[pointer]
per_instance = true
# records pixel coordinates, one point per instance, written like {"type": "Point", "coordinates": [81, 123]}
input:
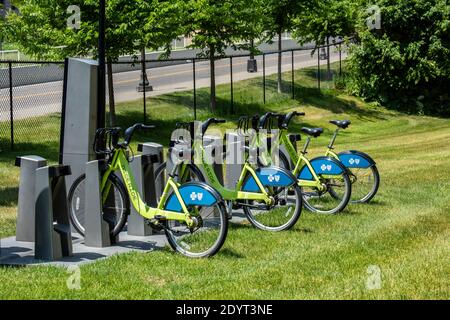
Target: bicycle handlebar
{"type": "Point", "coordinates": [130, 131]}
{"type": "Point", "coordinates": [287, 119]}
{"type": "Point", "coordinates": [209, 122]}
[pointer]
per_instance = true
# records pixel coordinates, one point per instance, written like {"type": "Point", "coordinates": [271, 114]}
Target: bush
{"type": "Point", "coordinates": [406, 64]}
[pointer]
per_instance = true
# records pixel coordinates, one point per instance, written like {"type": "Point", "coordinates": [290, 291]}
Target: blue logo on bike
{"type": "Point", "coordinates": [354, 161]}
{"type": "Point", "coordinates": [192, 195]}
{"type": "Point", "coordinates": [321, 166]}
{"type": "Point", "coordinates": [270, 176]}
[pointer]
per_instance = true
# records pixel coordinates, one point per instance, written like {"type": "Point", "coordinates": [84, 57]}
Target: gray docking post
{"type": "Point", "coordinates": [52, 226]}
{"type": "Point", "coordinates": [143, 167]}
{"type": "Point", "coordinates": [97, 230]}
{"type": "Point", "coordinates": [26, 204]}
{"type": "Point", "coordinates": [212, 146]}
{"type": "Point", "coordinates": [234, 158]}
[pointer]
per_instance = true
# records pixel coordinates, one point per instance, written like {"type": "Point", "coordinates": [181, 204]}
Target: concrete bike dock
{"type": "Point", "coordinates": [45, 237]}
{"type": "Point", "coordinates": [21, 253]}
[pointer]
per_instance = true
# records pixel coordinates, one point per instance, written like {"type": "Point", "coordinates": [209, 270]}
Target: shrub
{"type": "Point", "coordinates": [406, 64]}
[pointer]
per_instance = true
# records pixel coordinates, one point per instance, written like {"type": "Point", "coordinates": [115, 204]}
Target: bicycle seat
{"type": "Point", "coordinates": [315, 132]}
{"type": "Point", "coordinates": [343, 124]}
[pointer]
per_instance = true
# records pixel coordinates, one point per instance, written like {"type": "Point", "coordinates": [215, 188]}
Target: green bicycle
{"type": "Point", "coordinates": [193, 215]}
{"type": "Point", "coordinates": [325, 181]}
{"type": "Point", "coordinates": [361, 168]}
{"type": "Point", "coordinates": [269, 197]}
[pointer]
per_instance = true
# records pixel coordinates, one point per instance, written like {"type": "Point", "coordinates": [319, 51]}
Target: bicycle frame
{"type": "Point", "coordinates": [330, 152]}
{"type": "Point", "coordinates": [120, 162]}
{"type": "Point", "coordinates": [230, 194]}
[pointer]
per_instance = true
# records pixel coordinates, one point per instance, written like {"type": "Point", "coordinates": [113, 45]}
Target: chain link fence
{"type": "Point", "coordinates": [31, 92]}
{"type": "Point", "coordinates": [30, 102]}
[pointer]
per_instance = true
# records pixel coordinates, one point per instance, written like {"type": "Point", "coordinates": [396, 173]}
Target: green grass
{"type": "Point", "coordinates": [404, 231]}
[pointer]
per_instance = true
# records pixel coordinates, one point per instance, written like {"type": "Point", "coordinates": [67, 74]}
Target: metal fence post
{"type": "Point", "coordinates": [293, 77]}
{"type": "Point", "coordinates": [318, 69]}
{"type": "Point", "coordinates": [264, 78]}
{"type": "Point", "coordinates": [195, 93]}
{"type": "Point", "coordinates": [11, 112]}
{"type": "Point", "coordinates": [231, 85]}
{"type": "Point", "coordinates": [145, 98]}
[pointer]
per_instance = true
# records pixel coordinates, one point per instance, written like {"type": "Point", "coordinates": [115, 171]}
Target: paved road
{"type": "Point", "coordinates": [45, 98]}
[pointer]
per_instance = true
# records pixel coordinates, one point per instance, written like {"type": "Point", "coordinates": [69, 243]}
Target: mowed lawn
{"type": "Point", "coordinates": [404, 232]}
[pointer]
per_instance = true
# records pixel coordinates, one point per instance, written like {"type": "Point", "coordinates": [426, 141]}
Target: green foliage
{"type": "Point", "coordinates": [279, 15]}
{"type": "Point", "coordinates": [406, 64]}
{"type": "Point", "coordinates": [41, 29]}
{"type": "Point", "coordinates": [328, 18]}
{"type": "Point", "coordinates": [215, 25]}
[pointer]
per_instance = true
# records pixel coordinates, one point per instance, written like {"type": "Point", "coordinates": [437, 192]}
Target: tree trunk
{"type": "Point", "coordinates": [213, 79]}
{"type": "Point", "coordinates": [252, 46]}
{"type": "Point", "coordinates": [328, 59]}
{"type": "Point", "coordinates": [280, 57]}
{"type": "Point", "coordinates": [112, 104]}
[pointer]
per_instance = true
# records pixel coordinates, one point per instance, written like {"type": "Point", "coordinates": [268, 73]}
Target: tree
{"type": "Point", "coordinates": [215, 25]}
{"type": "Point", "coordinates": [42, 29]}
{"type": "Point", "coordinates": [327, 19]}
{"type": "Point", "coordinates": [405, 64]}
{"type": "Point", "coordinates": [278, 17]}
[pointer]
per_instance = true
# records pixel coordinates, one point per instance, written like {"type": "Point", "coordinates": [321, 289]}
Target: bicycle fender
{"type": "Point", "coordinates": [356, 159]}
{"type": "Point", "coordinates": [322, 165]}
{"type": "Point", "coordinates": [193, 194]}
{"type": "Point", "coordinates": [270, 176]}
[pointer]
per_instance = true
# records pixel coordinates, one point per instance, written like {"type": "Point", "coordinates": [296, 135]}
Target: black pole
{"type": "Point", "coordinates": [63, 112]}
{"type": "Point", "coordinates": [195, 93]}
{"type": "Point", "coordinates": [340, 61]}
{"type": "Point", "coordinates": [231, 85]}
{"type": "Point", "coordinates": [264, 78]}
{"type": "Point", "coordinates": [144, 90]}
{"type": "Point", "coordinates": [101, 67]}
{"type": "Point", "coordinates": [318, 69]}
{"type": "Point", "coordinates": [293, 77]}
{"type": "Point", "coordinates": [11, 115]}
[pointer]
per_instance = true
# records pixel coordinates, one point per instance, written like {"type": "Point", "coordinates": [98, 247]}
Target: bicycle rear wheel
{"type": "Point", "coordinates": [115, 210]}
{"type": "Point", "coordinates": [365, 183]}
{"type": "Point", "coordinates": [205, 239]}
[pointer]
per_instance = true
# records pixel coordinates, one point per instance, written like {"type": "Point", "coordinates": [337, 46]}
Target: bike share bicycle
{"type": "Point", "coordinates": [325, 181]}
{"type": "Point", "coordinates": [269, 197]}
{"type": "Point", "coordinates": [193, 215]}
{"type": "Point", "coordinates": [361, 168]}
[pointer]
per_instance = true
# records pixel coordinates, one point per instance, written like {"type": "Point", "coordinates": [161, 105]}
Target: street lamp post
{"type": "Point", "coordinates": [144, 85]}
{"type": "Point", "coordinates": [252, 65]}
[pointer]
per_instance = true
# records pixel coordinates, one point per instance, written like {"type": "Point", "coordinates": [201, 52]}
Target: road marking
{"type": "Point", "coordinates": [32, 95]}
{"type": "Point", "coordinates": [198, 70]}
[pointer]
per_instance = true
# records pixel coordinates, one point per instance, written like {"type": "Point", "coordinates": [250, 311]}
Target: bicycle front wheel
{"type": "Point", "coordinates": [115, 209]}
{"type": "Point", "coordinates": [206, 238]}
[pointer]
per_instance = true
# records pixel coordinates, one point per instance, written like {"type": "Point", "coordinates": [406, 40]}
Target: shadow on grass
{"type": "Point", "coordinates": [9, 196]}
{"type": "Point", "coordinates": [48, 150]}
{"type": "Point", "coordinates": [228, 253]}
